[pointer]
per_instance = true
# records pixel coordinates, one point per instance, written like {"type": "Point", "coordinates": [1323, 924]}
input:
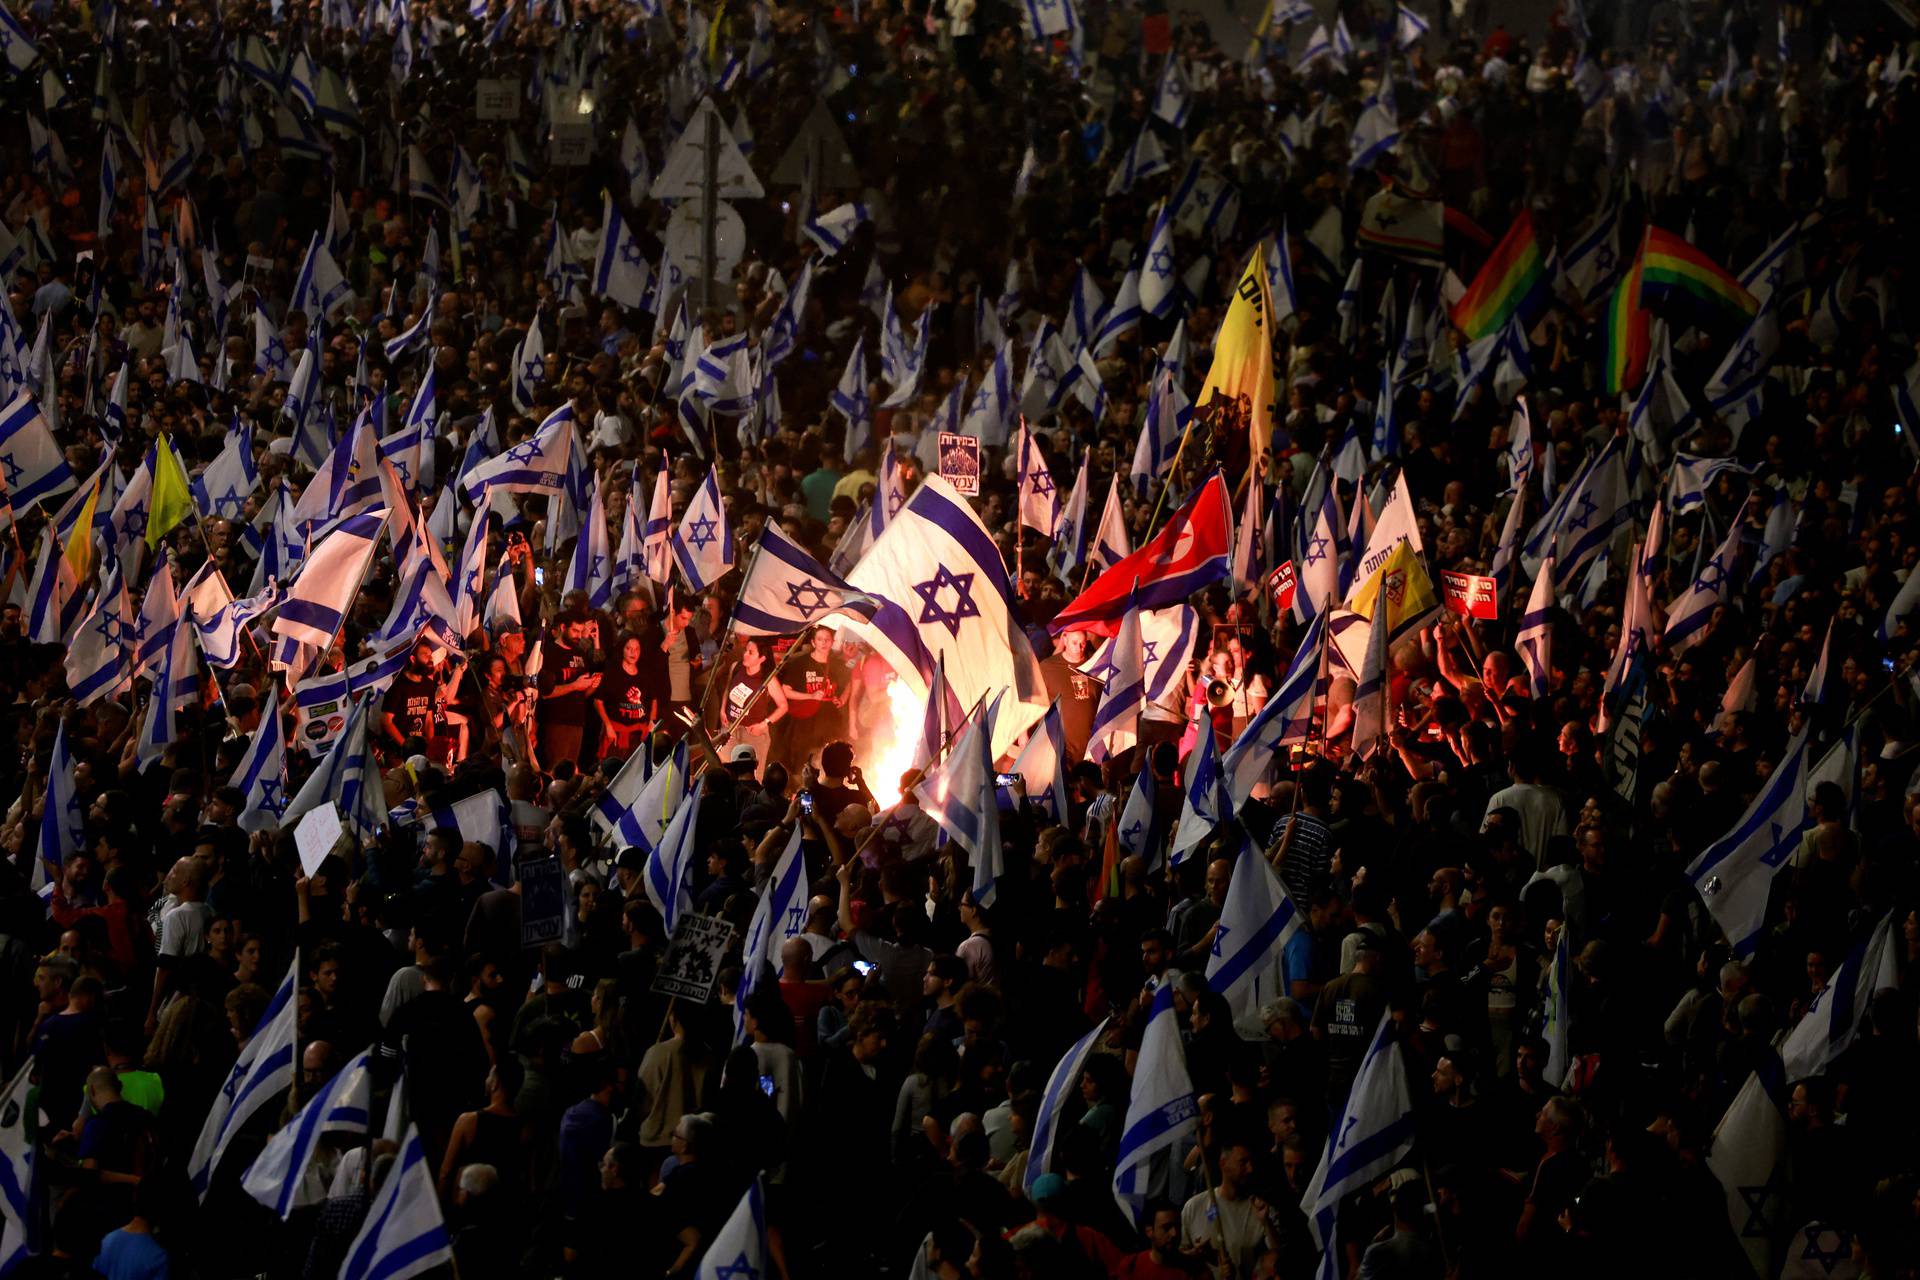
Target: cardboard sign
{"type": "Point", "coordinates": [570, 144]}
{"type": "Point", "coordinates": [1470, 594]}
{"type": "Point", "coordinates": [319, 831]}
{"type": "Point", "coordinates": [960, 463]}
{"type": "Point", "coordinates": [1280, 583]}
{"type": "Point", "coordinates": [693, 957]}
{"type": "Point", "coordinates": [496, 100]}
{"type": "Point", "coordinates": [543, 901]}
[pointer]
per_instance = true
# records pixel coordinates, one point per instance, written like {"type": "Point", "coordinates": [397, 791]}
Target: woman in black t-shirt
{"type": "Point", "coordinates": [749, 697]}
{"type": "Point", "coordinates": [622, 703]}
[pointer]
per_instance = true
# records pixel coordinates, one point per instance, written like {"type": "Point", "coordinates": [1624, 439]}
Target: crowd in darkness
{"type": "Point", "coordinates": [1502, 880]}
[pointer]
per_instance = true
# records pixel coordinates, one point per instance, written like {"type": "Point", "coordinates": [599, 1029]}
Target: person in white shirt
{"type": "Point", "coordinates": [183, 930]}
{"type": "Point", "coordinates": [1542, 813]}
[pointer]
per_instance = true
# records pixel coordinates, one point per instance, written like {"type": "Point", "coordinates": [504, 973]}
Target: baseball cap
{"type": "Point", "coordinates": [1048, 1186]}
{"type": "Point", "coordinates": [630, 859]}
{"type": "Point", "coordinates": [743, 754]}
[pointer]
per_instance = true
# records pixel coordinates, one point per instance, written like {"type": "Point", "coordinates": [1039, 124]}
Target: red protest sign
{"type": "Point", "coordinates": [1280, 583]}
{"type": "Point", "coordinates": [1470, 594]}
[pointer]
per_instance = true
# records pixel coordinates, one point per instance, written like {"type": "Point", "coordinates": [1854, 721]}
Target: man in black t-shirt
{"type": "Point", "coordinates": [567, 679]}
{"type": "Point", "coordinates": [411, 709]}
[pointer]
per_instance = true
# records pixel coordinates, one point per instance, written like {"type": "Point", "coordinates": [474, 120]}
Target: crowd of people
{"type": "Point", "coordinates": [1596, 910]}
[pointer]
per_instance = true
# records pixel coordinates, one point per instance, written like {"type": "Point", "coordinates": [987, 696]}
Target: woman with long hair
{"type": "Point", "coordinates": [753, 703]}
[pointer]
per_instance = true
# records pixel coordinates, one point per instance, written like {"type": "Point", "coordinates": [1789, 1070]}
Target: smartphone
{"type": "Point", "coordinates": [864, 967]}
{"type": "Point", "coordinates": [766, 1085]}
{"type": "Point", "coordinates": [539, 576]}
{"type": "Point", "coordinates": [806, 802]}
{"type": "Point", "coordinates": [1887, 663]}
{"type": "Point", "coordinates": [1005, 779]}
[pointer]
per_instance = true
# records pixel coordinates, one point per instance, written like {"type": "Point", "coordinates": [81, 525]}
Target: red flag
{"type": "Point", "coordinates": [1189, 555]}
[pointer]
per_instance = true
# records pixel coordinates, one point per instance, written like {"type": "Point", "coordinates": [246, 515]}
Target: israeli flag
{"type": "Point", "coordinates": [328, 581]}
{"type": "Point", "coordinates": [1373, 1134]}
{"type": "Point", "coordinates": [17, 1122]}
{"type": "Point", "coordinates": [782, 336]}
{"type": "Point", "coordinates": [739, 1251]}
{"type": "Point", "coordinates": [779, 916]}
{"type": "Point", "coordinates": [1049, 18]}
{"type": "Point", "coordinates": [1144, 159]}
{"type": "Point", "coordinates": [530, 368]}
{"type": "Point", "coordinates": [1409, 28]}
{"type": "Point", "coordinates": [1165, 422]}
{"type": "Point", "coordinates": [1749, 1158]}
{"type": "Point", "coordinates": [785, 589]}
{"type": "Point", "coordinates": [703, 541]}
{"type": "Point", "coordinates": [1111, 545]}
{"type": "Point", "coordinates": [21, 54]}
{"type": "Point", "coordinates": [938, 721]}
{"type": "Point", "coordinates": [535, 465]}
{"type": "Point", "coordinates": [481, 818]}
{"type": "Point", "coordinates": [1086, 308]}
{"type": "Point", "coordinates": [1173, 96]}
{"type": "Point", "coordinates": [63, 827]}
{"type": "Point", "coordinates": [264, 1070]}
{"type": "Point", "coordinates": [1048, 1116]}
{"type": "Point", "coordinates": [1042, 765]}
{"type": "Point", "coordinates": [1122, 317]}
{"type": "Point", "coordinates": [1142, 833]}
{"type": "Point", "coordinates": [348, 777]}
{"type": "Point", "coordinates": [990, 412]}
{"type": "Point", "coordinates": [277, 1178]}
{"type": "Point", "coordinates": [1735, 873]}
{"type": "Point", "coordinates": [222, 489]}
{"type": "Point", "coordinates": [262, 772]}
{"type": "Point", "coordinates": [620, 271]}
{"type": "Point", "coordinates": [1689, 476]}
{"type": "Point", "coordinates": [591, 567]}
{"type": "Point", "coordinates": [269, 350]}
{"type": "Point", "coordinates": [1161, 1109]}
{"type": "Point", "coordinates": [659, 556]}
{"type": "Point", "coordinates": [99, 662]}
{"type": "Point", "coordinates": [1286, 719]}
{"type": "Point", "coordinates": [668, 875]}
{"type": "Point", "coordinates": [1070, 530]}
{"type": "Point", "coordinates": [959, 794]}
{"type": "Point", "coordinates": [1370, 693]}
{"type": "Point", "coordinates": [833, 230]}
{"type": "Point", "coordinates": [1688, 617]}
{"type": "Point", "coordinates": [414, 336]}
{"type": "Point", "coordinates": [1116, 719]}
{"type": "Point", "coordinates": [321, 290]}
{"type": "Point", "coordinates": [35, 466]}
{"type": "Point", "coordinates": [851, 400]}
{"type": "Point", "coordinates": [404, 1234]}
{"type": "Point", "coordinates": [642, 798]}
{"type": "Point", "coordinates": [1833, 1018]}
{"type": "Point", "coordinates": [1256, 922]}
{"type": "Point", "coordinates": [53, 596]}
{"type": "Point", "coordinates": [1595, 509]}
{"type": "Point", "coordinates": [1534, 641]}
{"type": "Point", "coordinates": [1820, 681]}
{"type": "Point", "coordinates": [1037, 496]}
{"type": "Point", "coordinates": [1323, 550]}
{"type": "Point", "coordinates": [1206, 804]}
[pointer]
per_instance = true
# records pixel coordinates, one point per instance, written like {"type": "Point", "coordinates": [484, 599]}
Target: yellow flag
{"type": "Point", "coordinates": [1243, 353]}
{"type": "Point", "coordinates": [1404, 582]}
{"type": "Point", "coordinates": [80, 537]}
{"type": "Point", "coordinates": [171, 500]}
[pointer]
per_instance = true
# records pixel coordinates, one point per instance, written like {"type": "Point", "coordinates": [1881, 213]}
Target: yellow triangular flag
{"type": "Point", "coordinates": [1404, 582]}
{"type": "Point", "coordinates": [80, 538]}
{"type": "Point", "coordinates": [1243, 353]}
{"type": "Point", "coordinates": [171, 499]}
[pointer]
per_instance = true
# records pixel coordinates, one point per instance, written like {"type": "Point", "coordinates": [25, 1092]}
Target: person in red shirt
{"type": "Point", "coordinates": [1160, 1225]}
{"type": "Point", "coordinates": [804, 997]}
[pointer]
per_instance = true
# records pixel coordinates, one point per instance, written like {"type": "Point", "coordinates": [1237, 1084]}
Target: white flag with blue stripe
{"type": "Point", "coordinates": [17, 1123]}
{"type": "Point", "coordinates": [99, 662]}
{"type": "Point", "coordinates": [1286, 719]}
{"type": "Point", "coordinates": [34, 465]}
{"type": "Point", "coordinates": [1374, 1132]}
{"type": "Point", "coordinates": [620, 270]}
{"type": "Point", "coordinates": [535, 465]}
{"type": "Point", "coordinates": [834, 229]}
{"type": "Point", "coordinates": [1832, 1020]}
{"type": "Point", "coordinates": [851, 399]}
{"type": "Point", "coordinates": [1054, 1099]}
{"type": "Point", "coordinates": [785, 590]}
{"type": "Point", "coordinates": [1205, 804]}
{"type": "Point", "coordinates": [990, 411]}
{"type": "Point", "coordinates": [668, 875]}
{"type": "Point", "coordinates": [224, 486]}
{"type": "Point", "coordinates": [591, 567]}
{"type": "Point", "coordinates": [404, 1234]}
{"type": "Point", "coordinates": [329, 579]}
{"type": "Point", "coordinates": [1159, 272]}
{"type": "Point", "coordinates": [958, 793]}
{"type": "Point", "coordinates": [739, 1251]}
{"type": "Point", "coordinates": [1255, 923]}
{"type": "Point", "coordinates": [642, 798]}
{"type": "Point", "coordinates": [779, 916]}
{"type": "Point", "coordinates": [1142, 834]}
{"type": "Point", "coordinates": [1687, 617]}
{"type": "Point", "coordinates": [1534, 640]}
{"type": "Point", "coordinates": [1173, 96]}
{"type": "Point", "coordinates": [348, 777]}
{"type": "Point", "coordinates": [1144, 159]}
{"type": "Point", "coordinates": [261, 775]}
{"type": "Point", "coordinates": [529, 370]}
{"type": "Point", "coordinates": [1122, 317]}
{"type": "Point", "coordinates": [277, 1178]}
{"type": "Point", "coordinates": [703, 541]}
{"type": "Point", "coordinates": [1735, 873]}
{"type": "Point", "coordinates": [1160, 1110]}
{"type": "Point", "coordinates": [481, 818]}
{"type": "Point", "coordinates": [1117, 717]}
{"type": "Point", "coordinates": [265, 1069]}
{"type": "Point", "coordinates": [1042, 765]}
{"type": "Point", "coordinates": [63, 826]}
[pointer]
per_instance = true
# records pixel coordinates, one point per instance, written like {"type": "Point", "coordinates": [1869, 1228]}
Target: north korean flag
{"type": "Point", "coordinates": [1188, 555]}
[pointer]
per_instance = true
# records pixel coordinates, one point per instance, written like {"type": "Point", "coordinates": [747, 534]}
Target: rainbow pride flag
{"type": "Point", "coordinates": [1509, 281]}
{"type": "Point", "coordinates": [1675, 275]}
{"type": "Point", "coordinates": [1628, 331]}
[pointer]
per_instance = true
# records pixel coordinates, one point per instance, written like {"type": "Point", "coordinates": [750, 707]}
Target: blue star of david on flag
{"type": "Point", "coordinates": [807, 607]}
{"type": "Point", "coordinates": [1588, 508]}
{"type": "Point", "coordinates": [524, 452]}
{"type": "Point", "coordinates": [963, 606]}
{"type": "Point", "coordinates": [700, 533]}
{"type": "Point", "coordinates": [1220, 933]}
{"type": "Point", "coordinates": [1161, 263]}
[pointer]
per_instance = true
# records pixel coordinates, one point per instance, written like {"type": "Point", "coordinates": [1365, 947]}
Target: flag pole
{"type": "Point", "coordinates": [1173, 468]}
